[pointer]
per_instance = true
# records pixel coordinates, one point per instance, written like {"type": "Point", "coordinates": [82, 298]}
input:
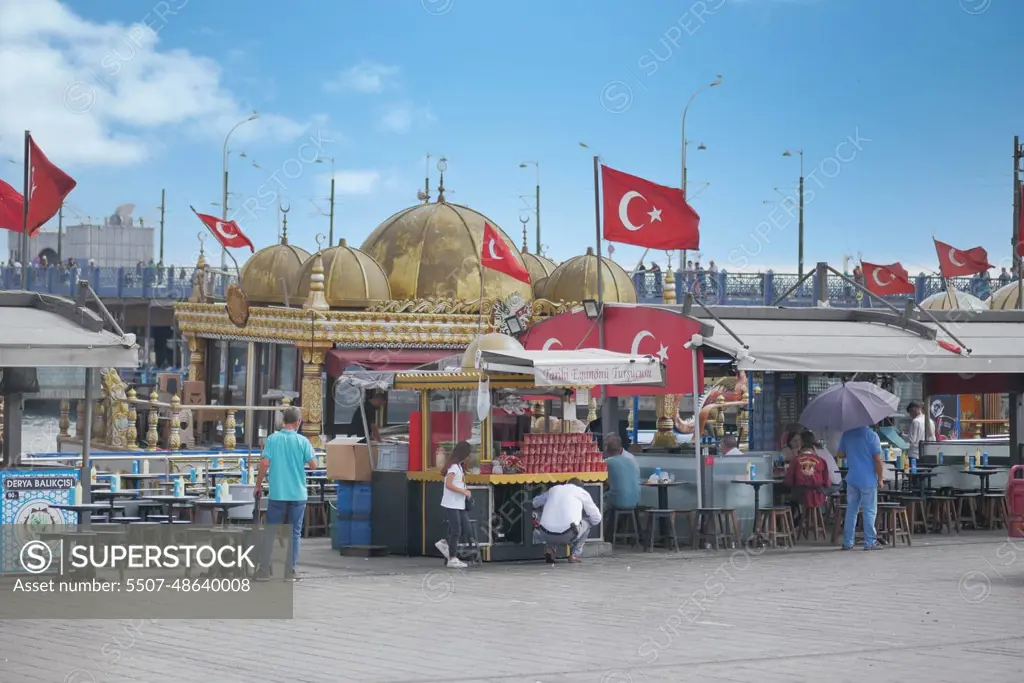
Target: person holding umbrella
{"type": "Point", "coordinates": [853, 408]}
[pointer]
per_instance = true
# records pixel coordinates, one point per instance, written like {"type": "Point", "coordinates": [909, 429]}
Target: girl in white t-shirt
{"type": "Point", "coordinates": [453, 500]}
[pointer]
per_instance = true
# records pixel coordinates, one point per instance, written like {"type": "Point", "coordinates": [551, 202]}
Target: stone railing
{"type": "Point", "coordinates": [169, 283]}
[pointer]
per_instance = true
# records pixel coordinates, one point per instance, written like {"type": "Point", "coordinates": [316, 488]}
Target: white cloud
{"type": "Point", "coordinates": [103, 93]}
{"type": "Point", "coordinates": [401, 118]}
{"type": "Point", "coordinates": [365, 77]}
{"type": "Point", "coordinates": [356, 183]}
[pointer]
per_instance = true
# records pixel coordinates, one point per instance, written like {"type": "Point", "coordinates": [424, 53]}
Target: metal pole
{"type": "Point", "coordinates": [149, 326]}
{"type": "Point", "coordinates": [698, 442]}
{"type": "Point", "coordinates": [24, 214]}
{"type": "Point", "coordinates": [1016, 220]}
{"type": "Point", "coordinates": [330, 237]}
{"type": "Point", "coordinates": [800, 254]}
{"type": "Point", "coordinates": [85, 476]}
{"type": "Point", "coordinates": [163, 206]}
{"type": "Point", "coordinates": [538, 211]}
{"type": "Point", "coordinates": [60, 233]}
{"type": "Point", "coordinates": [224, 208]}
{"type": "Point", "coordinates": [609, 418]}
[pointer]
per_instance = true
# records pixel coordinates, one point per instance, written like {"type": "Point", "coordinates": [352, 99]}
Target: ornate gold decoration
{"type": "Point", "coordinates": [311, 394]}
{"type": "Point", "coordinates": [152, 435]}
{"type": "Point", "coordinates": [719, 425]}
{"type": "Point", "coordinates": [196, 357]}
{"type": "Point", "coordinates": [133, 419]}
{"type": "Point", "coordinates": [665, 408]}
{"type": "Point", "coordinates": [65, 422]}
{"type": "Point", "coordinates": [115, 408]}
{"type": "Point", "coordinates": [668, 290]}
{"type": "Point", "coordinates": [629, 419]}
{"type": "Point", "coordinates": [576, 280]}
{"type": "Point", "coordinates": [743, 417]}
{"type": "Point", "coordinates": [433, 250]}
{"type": "Point", "coordinates": [315, 288]}
{"type": "Point", "coordinates": [237, 306]}
{"type": "Point", "coordinates": [199, 295]}
{"type": "Point", "coordinates": [269, 273]}
{"type": "Point", "coordinates": [229, 430]}
{"type": "Point", "coordinates": [174, 438]}
{"type": "Point", "coordinates": [592, 410]}
{"type": "Point", "coordinates": [351, 278]}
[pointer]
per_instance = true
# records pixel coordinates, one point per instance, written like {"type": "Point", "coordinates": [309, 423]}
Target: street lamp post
{"type": "Point", "coordinates": [686, 110]}
{"type": "Point", "coordinates": [330, 235]}
{"type": "Point", "coordinates": [536, 164]}
{"type": "Point", "coordinates": [800, 223]}
{"type": "Point", "coordinates": [224, 193]}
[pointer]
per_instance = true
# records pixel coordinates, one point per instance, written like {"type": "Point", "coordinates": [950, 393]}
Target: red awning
{"type": "Point", "coordinates": [386, 360]}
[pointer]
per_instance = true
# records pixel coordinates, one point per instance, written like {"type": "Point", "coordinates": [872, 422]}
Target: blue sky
{"type": "Point", "coordinates": [931, 90]}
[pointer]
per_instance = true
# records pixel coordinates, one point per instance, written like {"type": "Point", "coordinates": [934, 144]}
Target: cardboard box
{"type": "Point", "coordinates": [193, 393]}
{"type": "Point", "coordinates": [348, 460]}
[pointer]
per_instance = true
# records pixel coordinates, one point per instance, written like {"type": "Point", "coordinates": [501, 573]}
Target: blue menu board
{"type": "Point", "coordinates": [25, 502]}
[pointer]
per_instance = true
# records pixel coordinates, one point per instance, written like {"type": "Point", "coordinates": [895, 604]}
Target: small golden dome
{"type": "Point", "coordinates": [1004, 298]}
{"type": "Point", "coordinates": [539, 267]}
{"type": "Point", "coordinates": [942, 301]}
{"type": "Point", "coordinates": [495, 341]}
{"type": "Point", "coordinates": [576, 280]}
{"type": "Point", "coordinates": [433, 251]}
{"type": "Point", "coordinates": [270, 271]}
{"type": "Point", "coordinates": [351, 278]}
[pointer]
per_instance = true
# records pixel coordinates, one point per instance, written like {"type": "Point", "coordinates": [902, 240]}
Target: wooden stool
{"type": "Point", "coordinates": [967, 508]}
{"type": "Point", "coordinates": [944, 514]}
{"type": "Point", "coordinates": [995, 510]}
{"type": "Point", "coordinates": [717, 526]}
{"type": "Point", "coordinates": [630, 536]}
{"type": "Point", "coordinates": [315, 519]}
{"type": "Point", "coordinates": [655, 519]}
{"type": "Point", "coordinates": [900, 526]}
{"type": "Point", "coordinates": [917, 511]}
{"type": "Point", "coordinates": [777, 526]}
{"type": "Point", "coordinates": [812, 522]}
{"type": "Point", "coordinates": [839, 523]}
{"type": "Point", "coordinates": [887, 524]}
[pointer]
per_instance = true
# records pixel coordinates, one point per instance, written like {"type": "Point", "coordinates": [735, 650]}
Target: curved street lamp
{"type": "Point", "coordinates": [224, 169]}
{"type": "Point", "coordinates": [800, 228]}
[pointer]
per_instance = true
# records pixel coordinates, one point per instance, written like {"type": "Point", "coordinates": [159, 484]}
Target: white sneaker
{"type": "Point", "coordinates": [442, 545]}
{"type": "Point", "coordinates": [456, 563]}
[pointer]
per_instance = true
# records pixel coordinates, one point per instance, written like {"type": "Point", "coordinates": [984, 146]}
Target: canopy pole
{"type": "Point", "coordinates": [85, 474]}
{"type": "Point", "coordinates": [691, 298]}
{"type": "Point", "coordinates": [697, 440]}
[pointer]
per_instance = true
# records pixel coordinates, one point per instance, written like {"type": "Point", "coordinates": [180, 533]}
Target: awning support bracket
{"type": "Point", "coordinates": [691, 299]}
{"type": "Point", "coordinates": [84, 291]}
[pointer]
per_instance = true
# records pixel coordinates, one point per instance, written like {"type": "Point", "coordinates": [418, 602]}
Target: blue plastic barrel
{"type": "Point", "coordinates": [361, 499]}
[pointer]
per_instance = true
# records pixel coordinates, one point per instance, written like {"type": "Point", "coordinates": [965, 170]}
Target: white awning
{"type": "Point", "coordinates": [582, 367]}
{"type": "Point", "coordinates": [849, 346]}
{"type": "Point", "coordinates": [32, 337]}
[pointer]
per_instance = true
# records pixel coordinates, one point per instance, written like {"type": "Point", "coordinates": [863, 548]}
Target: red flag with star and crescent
{"type": "Point", "coordinates": [496, 255]}
{"type": "Point", "coordinates": [887, 280]}
{"type": "Point", "coordinates": [632, 329]}
{"type": "Point", "coordinates": [955, 262]}
{"type": "Point", "coordinates": [227, 232]}
{"type": "Point", "coordinates": [48, 186]}
{"type": "Point", "coordinates": [637, 211]}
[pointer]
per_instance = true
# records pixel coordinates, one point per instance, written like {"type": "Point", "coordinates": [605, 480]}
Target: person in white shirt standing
{"type": "Point", "coordinates": [568, 514]}
{"type": "Point", "coordinates": [918, 431]}
{"type": "Point", "coordinates": [453, 500]}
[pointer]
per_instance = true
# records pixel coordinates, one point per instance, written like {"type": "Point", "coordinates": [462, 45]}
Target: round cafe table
{"type": "Point", "coordinates": [756, 484]}
{"type": "Point", "coordinates": [84, 508]}
{"type": "Point", "coordinates": [983, 474]}
{"type": "Point", "coordinates": [222, 505]}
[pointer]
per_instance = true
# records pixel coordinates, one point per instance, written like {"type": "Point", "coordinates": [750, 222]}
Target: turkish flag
{"type": "Point", "coordinates": [496, 254]}
{"type": "Point", "coordinates": [954, 262]}
{"type": "Point", "coordinates": [48, 186]}
{"type": "Point", "coordinates": [12, 206]}
{"type": "Point", "coordinates": [227, 232]}
{"type": "Point", "coordinates": [637, 211]}
{"type": "Point", "coordinates": [887, 280]}
{"type": "Point", "coordinates": [632, 329]}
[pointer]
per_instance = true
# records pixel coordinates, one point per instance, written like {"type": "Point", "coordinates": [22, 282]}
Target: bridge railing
{"type": "Point", "coordinates": [121, 283]}
{"type": "Point", "coordinates": [764, 289]}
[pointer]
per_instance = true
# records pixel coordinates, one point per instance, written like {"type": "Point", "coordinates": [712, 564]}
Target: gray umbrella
{"type": "Point", "coordinates": [849, 405]}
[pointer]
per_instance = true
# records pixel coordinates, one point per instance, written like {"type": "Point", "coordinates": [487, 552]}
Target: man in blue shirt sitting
{"type": "Point", "coordinates": [623, 476]}
{"type": "Point", "coordinates": [862, 451]}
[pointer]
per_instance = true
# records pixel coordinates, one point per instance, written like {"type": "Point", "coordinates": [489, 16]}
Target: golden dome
{"type": "Point", "coordinates": [433, 250]}
{"type": "Point", "coordinates": [942, 301]}
{"type": "Point", "coordinates": [351, 278]}
{"type": "Point", "coordinates": [1004, 298]}
{"type": "Point", "coordinates": [576, 280]}
{"type": "Point", "coordinates": [540, 269]}
{"type": "Point", "coordinates": [495, 341]}
{"type": "Point", "coordinates": [269, 271]}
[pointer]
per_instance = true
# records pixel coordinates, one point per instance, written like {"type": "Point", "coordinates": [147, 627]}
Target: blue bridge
{"type": "Point", "coordinates": [165, 284]}
{"type": "Point", "coordinates": [764, 289]}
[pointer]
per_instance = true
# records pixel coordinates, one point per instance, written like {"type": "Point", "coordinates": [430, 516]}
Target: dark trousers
{"type": "Point", "coordinates": [459, 527]}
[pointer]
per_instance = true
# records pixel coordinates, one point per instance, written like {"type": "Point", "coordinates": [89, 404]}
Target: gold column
{"type": "Point", "coordinates": [668, 290]}
{"type": "Point", "coordinates": [665, 407]}
{"type": "Point", "coordinates": [229, 430]}
{"type": "Point", "coordinates": [152, 435]}
{"type": "Point", "coordinates": [743, 419]}
{"type": "Point", "coordinates": [174, 438]}
{"type": "Point", "coordinates": [196, 358]}
{"type": "Point", "coordinates": [65, 422]}
{"type": "Point", "coordinates": [311, 394]}
{"type": "Point", "coordinates": [720, 417]}
{"type": "Point", "coordinates": [133, 419]}
{"type": "Point", "coordinates": [591, 410]}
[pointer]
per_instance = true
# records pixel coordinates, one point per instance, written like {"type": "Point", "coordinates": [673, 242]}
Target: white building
{"type": "Point", "coordinates": [119, 242]}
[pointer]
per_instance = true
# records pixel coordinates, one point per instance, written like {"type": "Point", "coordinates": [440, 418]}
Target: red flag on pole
{"type": "Point", "coordinates": [887, 280]}
{"type": "Point", "coordinates": [496, 255]}
{"type": "Point", "coordinates": [48, 186]}
{"type": "Point", "coordinates": [955, 262]}
{"type": "Point", "coordinates": [227, 232]}
{"type": "Point", "coordinates": [12, 206]}
{"type": "Point", "coordinates": [637, 211]}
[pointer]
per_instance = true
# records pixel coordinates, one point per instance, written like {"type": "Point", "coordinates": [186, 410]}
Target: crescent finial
{"type": "Point", "coordinates": [320, 239]}
{"type": "Point", "coordinates": [202, 241]}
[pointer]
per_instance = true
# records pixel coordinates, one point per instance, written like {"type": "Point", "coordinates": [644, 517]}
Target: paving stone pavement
{"type": "Point", "coordinates": [929, 613]}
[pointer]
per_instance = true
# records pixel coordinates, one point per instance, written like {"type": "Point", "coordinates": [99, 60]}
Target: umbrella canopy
{"type": "Point", "coordinates": [849, 405]}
